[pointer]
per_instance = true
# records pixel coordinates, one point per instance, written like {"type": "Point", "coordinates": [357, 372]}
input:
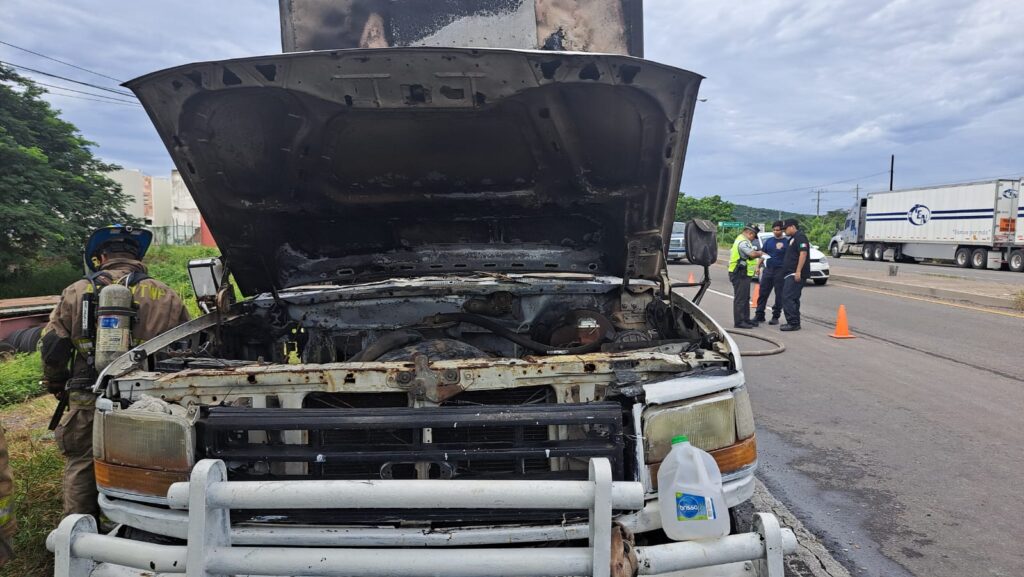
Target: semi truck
{"type": "Point", "coordinates": [975, 225]}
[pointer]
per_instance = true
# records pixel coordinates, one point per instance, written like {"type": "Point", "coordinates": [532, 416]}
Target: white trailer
{"type": "Point", "coordinates": [977, 224]}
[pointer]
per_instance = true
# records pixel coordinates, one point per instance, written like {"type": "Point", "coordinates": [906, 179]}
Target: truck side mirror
{"type": "Point", "coordinates": [206, 275]}
{"type": "Point", "coordinates": [701, 242]}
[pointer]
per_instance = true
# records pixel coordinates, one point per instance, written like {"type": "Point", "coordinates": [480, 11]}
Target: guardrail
{"type": "Point", "coordinates": [209, 498]}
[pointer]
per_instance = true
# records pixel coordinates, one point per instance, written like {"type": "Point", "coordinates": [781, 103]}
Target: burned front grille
{"type": "Point", "coordinates": [467, 438]}
{"type": "Point", "coordinates": [516, 433]}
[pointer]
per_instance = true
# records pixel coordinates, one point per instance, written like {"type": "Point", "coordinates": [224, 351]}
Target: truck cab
{"type": "Point", "coordinates": [459, 351]}
{"type": "Point", "coordinates": [850, 240]}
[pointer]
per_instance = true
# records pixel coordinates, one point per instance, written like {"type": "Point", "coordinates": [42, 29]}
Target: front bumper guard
{"type": "Point", "coordinates": [209, 497]}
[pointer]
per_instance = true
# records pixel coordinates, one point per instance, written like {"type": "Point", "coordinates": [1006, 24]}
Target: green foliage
{"type": "Point", "coordinates": [39, 279]}
{"type": "Point", "coordinates": [743, 213]}
{"type": "Point", "coordinates": [169, 264]}
{"type": "Point", "coordinates": [19, 378]}
{"type": "Point", "coordinates": [820, 229]}
{"type": "Point", "coordinates": [53, 191]}
{"type": "Point", "coordinates": [711, 208]}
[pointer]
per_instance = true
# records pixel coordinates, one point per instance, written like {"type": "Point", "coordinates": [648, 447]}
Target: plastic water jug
{"type": "Point", "coordinates": [690, 494]}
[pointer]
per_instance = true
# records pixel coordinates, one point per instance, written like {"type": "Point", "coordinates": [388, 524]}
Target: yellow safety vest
{"type": "Point", "coordinates": [735, 257]}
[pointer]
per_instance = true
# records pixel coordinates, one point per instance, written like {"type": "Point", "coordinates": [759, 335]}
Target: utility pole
{"type": "Point", "coordinates": [857, 191]}
{"type": "Point", "coordinates": [892, 165]}
{"type": "Point", "coordinates": [817, 210]}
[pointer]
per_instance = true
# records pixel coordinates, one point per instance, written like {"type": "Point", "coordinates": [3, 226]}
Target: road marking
{"type": "Point", "coordinates": [719, 293]}
{"type": "Point", "coordinates": [911, 297]}
{"type": "Point", "coordinates": [936, 301]}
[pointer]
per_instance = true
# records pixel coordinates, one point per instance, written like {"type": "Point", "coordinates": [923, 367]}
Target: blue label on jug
{"type": "Point", "coordinates": [692, 508]}
{"type": "Point", "coordinates": [108, 322]}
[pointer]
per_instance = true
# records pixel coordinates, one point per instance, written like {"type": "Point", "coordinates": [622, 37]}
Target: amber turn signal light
{"type": "Point", "coordinates": [135, 480]}
{"type": "Point", "coordinates": [729, 459]}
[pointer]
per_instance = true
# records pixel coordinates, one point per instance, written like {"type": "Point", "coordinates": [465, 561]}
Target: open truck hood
{"type": "Point", "coordinates": [353, 165]}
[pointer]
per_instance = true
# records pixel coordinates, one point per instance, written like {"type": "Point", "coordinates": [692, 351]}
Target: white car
{"type": "Point", "coordinates": [819, 264]}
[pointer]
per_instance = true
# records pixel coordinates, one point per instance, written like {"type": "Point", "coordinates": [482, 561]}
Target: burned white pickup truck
{"type": "Point", "coordinates": [460, 351]}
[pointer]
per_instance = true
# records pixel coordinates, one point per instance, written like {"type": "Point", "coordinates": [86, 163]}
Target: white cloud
{"type": "Point", "coordinates": [804, 93]}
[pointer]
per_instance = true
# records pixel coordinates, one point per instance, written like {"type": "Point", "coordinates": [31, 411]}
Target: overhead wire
{"type": "Point", "coordinates": [61, 62]}
{"type": "Point", "coordinates": [111, 98]}
{"type": "Point", "coordinates": [809, 187]}
{"type": "Point", "coordinates": [122, 103]}
{"type": "Point", "coordinates": [90, 85]}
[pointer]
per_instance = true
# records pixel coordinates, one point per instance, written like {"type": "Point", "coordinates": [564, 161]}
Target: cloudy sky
{"type": "Point", "coordinates": [800, 95]}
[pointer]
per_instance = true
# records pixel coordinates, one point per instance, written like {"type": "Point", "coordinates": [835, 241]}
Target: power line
{"type": "Point", "coordinates": [121, 102]}
{"type": "Point", "coordinates": [87, 93]}
{"type": "Point", "coordinates": [61, 61]}
{"type": "Point", "coordinates": [809, 188]}
{"type": "Point", "coordinates": [129, 94]}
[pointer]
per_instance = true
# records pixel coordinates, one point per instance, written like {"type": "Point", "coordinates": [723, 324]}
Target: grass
{"type": "Point", "coordinates": [37, 466]}
{"type": "Point", "coordinates": [1018, 301]}
{"type": "Point", "coordinates": [19, 379]}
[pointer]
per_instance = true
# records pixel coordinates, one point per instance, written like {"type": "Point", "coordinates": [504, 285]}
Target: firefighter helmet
{"type": "Point", "coordinates": [130, 239]}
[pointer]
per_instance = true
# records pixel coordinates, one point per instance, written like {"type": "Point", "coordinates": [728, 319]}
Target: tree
{"type": "Point", "coordinates": [820, 229]}
{"type": "Point", "coordinates": [53, 191]}
{"type": "Point", "coordinates": [711, 208]}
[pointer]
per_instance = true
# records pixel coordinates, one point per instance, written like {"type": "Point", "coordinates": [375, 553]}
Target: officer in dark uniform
{"type": "Point", "coordinates": [797, 269]}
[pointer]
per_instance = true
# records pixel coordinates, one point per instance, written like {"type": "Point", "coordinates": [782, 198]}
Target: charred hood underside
{"type": "Point", "coordinates": [353, 165]}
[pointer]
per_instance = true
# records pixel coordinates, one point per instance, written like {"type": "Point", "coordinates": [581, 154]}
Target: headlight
{"type": "Point", "coordinates": [824, 260]}
{"type": "Point", "coordinates": [709, 422]}
{"type": "Point", "coordinates": [140, 454]}
{"type": "Point", "coordinates": [744, 414]}
{"type": "Point", "coordinates": [721, 424]}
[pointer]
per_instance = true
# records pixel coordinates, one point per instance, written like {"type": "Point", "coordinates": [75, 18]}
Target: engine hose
{"type": "Point", "coordinates": [779, 346]}
{"type": "Point", "coordinates": [516, 338]}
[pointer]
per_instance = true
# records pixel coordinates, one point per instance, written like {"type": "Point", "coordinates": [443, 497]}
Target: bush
{"type": "Point", "coordinates": [38, 280]}
{"type": "Point", "coordinates": [19, 378]}
{"type": "Point", "coordinates": [169, 265]}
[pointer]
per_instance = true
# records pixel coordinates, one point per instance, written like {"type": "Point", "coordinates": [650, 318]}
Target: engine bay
{"type": "Point", "coordinates": [487, 317]}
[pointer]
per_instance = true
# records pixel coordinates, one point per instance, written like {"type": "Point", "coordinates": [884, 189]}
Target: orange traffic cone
{"type": "Point", "coordinates": [842, 328]}
{"type": "Point", "coordinates": [757, 295]}
{"type": "Point", "coordinates": [690, 279]}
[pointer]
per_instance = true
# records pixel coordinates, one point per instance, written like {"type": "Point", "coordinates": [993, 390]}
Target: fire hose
{"type": "Point", "coordinates": [779, 346]}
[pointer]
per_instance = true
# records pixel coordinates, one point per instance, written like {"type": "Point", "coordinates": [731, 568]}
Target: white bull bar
{"type": "Point", "coordinates": [209, 497]}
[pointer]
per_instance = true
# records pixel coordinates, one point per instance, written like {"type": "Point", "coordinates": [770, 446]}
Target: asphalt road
{"type": "Point", "coordinates": [900, 449]}
{"type": "Point", "coordinates": [853, 263]}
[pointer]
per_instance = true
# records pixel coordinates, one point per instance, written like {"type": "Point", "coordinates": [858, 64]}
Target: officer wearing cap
{"type": "Point", "coordinates": [112, 255]}
{"type": "Point", "coordinates": [743, 260]}
{"type": "Point", "coordinates": [796, 266]}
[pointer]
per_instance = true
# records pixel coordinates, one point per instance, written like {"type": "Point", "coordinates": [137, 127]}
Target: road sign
{"type": "Point", "coordinates": [729, 223]}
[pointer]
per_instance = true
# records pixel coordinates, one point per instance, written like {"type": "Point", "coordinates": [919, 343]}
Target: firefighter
{"type": "Point", "coordinates": [113, 255]}
{"type": "Point", "coordinates": [8, 524]}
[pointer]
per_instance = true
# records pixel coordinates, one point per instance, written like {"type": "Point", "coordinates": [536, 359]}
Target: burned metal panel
{"type": "Point", "coordinates": [588, 26]}
{"type": "Point", "coordinates": [607, 26]}
{"type": "Point", "coordinates": [597, 370]}
{"type": "Point", "coordinates": [412, 161]}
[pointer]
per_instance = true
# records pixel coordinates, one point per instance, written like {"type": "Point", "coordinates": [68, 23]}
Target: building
{"type": "Point", "coordinates": [138, 188]}
{"type": "Point", "coordinates": [185, 211]}
{"type": "Point", "coordinates": [163, 206]}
